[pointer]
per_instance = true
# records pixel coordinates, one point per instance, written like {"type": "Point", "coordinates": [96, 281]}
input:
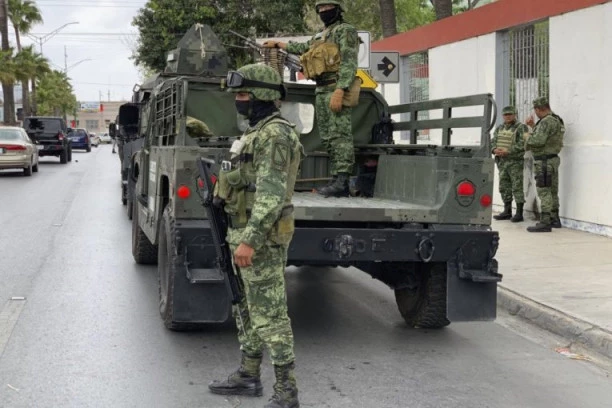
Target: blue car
{"type": "Point", "coordinates": [80, 139]}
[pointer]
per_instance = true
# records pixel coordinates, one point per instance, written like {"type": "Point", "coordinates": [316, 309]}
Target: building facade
{"type": "Point", "coordinates": [95, 116]}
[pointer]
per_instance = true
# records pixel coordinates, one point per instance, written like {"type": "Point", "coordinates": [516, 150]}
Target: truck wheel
{"type": "Point", "coordinates": [166, 267]}
{"type": "Point", "coordinates": [425, 305]}
{"type": "Point", "coordinates": [144, 252]}
{"type": "Point", "coordinates": [70, 153]}
{"type": "Point", "coordinates": [64, 156]}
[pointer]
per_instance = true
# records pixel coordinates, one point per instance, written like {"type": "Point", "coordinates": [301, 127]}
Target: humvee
{"type": "Point", "coordinates": [418, 219]}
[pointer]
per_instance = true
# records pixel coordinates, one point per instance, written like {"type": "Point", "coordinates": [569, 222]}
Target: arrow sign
{"type": "Point", "coordinates": [386, 66]}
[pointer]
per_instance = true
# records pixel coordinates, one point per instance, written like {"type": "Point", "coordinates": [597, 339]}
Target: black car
{"type": "Point", "coordinates": [50, 134]}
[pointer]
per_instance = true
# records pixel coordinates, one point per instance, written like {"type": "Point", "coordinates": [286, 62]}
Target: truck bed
{"type": "Point", "coordinates": [312, 206]}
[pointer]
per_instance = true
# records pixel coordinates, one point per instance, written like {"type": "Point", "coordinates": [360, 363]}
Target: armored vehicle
{"type": "Point", "coordinates": [418, 219]}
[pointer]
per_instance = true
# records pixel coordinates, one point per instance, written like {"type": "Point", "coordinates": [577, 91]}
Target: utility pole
{"type": "Point", "coordinates": [7, 87]}
{"type": "Point", "coordinates": [65, 61]}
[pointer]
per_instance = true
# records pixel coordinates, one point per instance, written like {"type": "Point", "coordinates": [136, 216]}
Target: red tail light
{"type": "Point", "coordinates": [13, 147]}
{"type": "Point", "coordinates": [200, 183]}
{"type": "Point", "coordinates": [486, 200]}
{"type": "Point", "coordinates": [60, 136]}
{"type": "Point", "coordinates": [466, 188]}
{"type": "Point", "coordinates": [183, 192]}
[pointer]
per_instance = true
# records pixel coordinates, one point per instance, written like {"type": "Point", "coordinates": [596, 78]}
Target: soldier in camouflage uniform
{"type": "Point", "coordinates": [508, 147]}
{"type": "Point", "coordinates": [546, 142]}
{"type": "Point", "coordinates": [336, 86]}
{"type": "Point", "coordinates": [257, 194]}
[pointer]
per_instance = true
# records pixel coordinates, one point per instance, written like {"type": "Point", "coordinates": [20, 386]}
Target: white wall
{"type": "Point", "coordinates": [459, 69]}
{"type": "Point", "coordinates": [580, 88]}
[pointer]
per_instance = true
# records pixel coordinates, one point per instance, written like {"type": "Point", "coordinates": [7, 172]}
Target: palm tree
{"type": "Point", "coordinates": [7, 78]}
{"type": "Point", "coordinates": [25, 68]}
{"type": "Point", "coordinates": [42, 68]}
{"type": "Point", "coordinates": [24, 14]}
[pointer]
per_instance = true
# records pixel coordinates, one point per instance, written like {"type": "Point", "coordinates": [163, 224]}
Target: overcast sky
{"type": "Point", "coordinates": [104, 35]}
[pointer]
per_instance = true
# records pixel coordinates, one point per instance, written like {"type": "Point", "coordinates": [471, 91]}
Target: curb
{"type": "Point", "coordinates": [575, 330]}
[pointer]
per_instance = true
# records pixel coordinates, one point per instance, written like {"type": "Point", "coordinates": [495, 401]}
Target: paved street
{"type": "Point", "coordinates": [89, 334]}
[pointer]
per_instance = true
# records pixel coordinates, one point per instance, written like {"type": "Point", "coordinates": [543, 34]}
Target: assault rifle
{"type": "Point", "coordinates": [218, 226]}
{"type": "Point", "coordinates": [292, 61]}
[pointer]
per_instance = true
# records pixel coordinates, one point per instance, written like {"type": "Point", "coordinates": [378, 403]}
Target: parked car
{"type": "Point", "coordinates": [50, 135]}
{"type": "Point", "coordinates": [80, 139]}
{"type": "Point", "coordinates": [105, 138]}
{"type": "Point", "coordinates": [95, 139]}
{"type": "Point", "coordinates": [17, 151]}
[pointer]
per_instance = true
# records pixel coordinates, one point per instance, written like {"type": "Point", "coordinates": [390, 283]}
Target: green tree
{"type": "Point", "coordinates": [25, 69]}
{"type": "Point", "coordinates": [161, 24]}
{"type": "Point", "coordinates": [23, 15]}
{"type": "Point", "coordinates": [55, 95]}
{"type": "Point", "coordinates": [42, 69]}
{"type": "Point", "coordinates": [7, 67]}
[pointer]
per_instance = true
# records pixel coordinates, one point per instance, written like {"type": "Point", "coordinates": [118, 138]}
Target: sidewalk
{"type": "Point", "coordinates": [560, 281]}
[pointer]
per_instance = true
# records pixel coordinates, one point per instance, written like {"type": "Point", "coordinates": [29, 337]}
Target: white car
{"type": "Point", "coordinates": [95, 139]}
{"type": "Point", "coordinates": [105, 138]}
{"type": "Point", "coordinates": [17, 150]}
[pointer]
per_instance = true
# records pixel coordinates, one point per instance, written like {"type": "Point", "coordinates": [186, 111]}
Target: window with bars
{"type": "Point", "coordinates": [417, 88]}
{"type": "Point", "coordinates": [526, 54]}
{"type": "Point", "coordinates": [167, 112]}
{"type": "Point", "coordinates": [91, 124]}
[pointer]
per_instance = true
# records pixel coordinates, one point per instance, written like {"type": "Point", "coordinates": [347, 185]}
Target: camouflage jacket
{"type": "Point", "coordinates": [276, 155]}
{"type": "Point", "coordinates": [547, 137]}
{"type": "Point", "coordinates": [517, 149]}
{"type": "Point", "coordinates": [346, 38]}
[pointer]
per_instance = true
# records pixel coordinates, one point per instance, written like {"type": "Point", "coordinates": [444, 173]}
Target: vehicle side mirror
{"type": "Point", "coordinates": [112, 130]}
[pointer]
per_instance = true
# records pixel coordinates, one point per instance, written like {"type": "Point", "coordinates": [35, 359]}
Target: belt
{"type": "Point", "coordinates": [325, 82]}
{"type": "Point", "coordinates": [545, 156]}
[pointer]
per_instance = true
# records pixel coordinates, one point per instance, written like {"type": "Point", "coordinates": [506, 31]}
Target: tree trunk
{"type": "Point", "coordinates": [387, 17]}
{"type": "Point", "coordinates": [7, 88]}
{"type": "Point", "coordinates": [443, 8]}
{"type": "Point", "coordinates": [25, 98]}
{"type": "Point", "coordinates": [34, 107]}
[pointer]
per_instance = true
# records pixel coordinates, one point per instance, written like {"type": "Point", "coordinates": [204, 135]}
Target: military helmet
{"type": "Point", "coordinates": [540, 102]}
{"type": "Point", "coordinates": [338, 3]}
{"type": "Point", "coordinates": [262, 81]}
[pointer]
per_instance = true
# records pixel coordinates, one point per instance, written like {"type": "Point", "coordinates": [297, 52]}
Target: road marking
{"type": "Point", "coordinates": [8, 318]}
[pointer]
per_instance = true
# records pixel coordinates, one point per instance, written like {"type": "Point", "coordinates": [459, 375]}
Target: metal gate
{"type": "Point", "coordinates": [415, 87]}
{"type": "Point", "coordinates": [526, 55]}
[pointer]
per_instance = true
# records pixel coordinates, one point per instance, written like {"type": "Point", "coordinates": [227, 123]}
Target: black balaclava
{"type": "Point", "coordinates": [330, 16]}
{"type": "Point", "coordinates": [255, 110]}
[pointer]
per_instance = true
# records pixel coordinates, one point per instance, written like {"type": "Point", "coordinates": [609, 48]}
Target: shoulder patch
{"type": "Point", "coordinates": [280, 154]}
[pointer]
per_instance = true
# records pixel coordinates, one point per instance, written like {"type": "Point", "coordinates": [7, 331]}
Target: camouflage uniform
{"type": "Point", "coordinates": [510, 138]}
{"type": "Point", "coordinates": [335, 128]}
{"type": "Point", "coordinates": [546, 141]}
{"type": "Point", "coordinates": [261, 216]}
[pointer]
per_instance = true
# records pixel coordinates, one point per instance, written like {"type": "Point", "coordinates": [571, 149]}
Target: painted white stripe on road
{"type": "Point", "coordinates": [8, 318]}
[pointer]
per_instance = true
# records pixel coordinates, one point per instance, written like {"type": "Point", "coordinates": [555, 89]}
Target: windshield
{"type": "Point", "coordinates": [10, 134]}
{"type": "Point", "coordinates": [42, 125]}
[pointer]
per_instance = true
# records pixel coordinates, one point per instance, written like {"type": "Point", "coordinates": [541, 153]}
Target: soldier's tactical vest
{"type": "Point", "coordinates": [504, 138]}
{"type": "Point", "coordinates": [554, 143]}
{"type": "Point", "coordinates": [322, 57]}
{"type": "Point", "coordinates": [237, 187]}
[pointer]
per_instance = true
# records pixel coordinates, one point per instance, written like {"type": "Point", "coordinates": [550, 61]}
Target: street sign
{"type": "Point", "coordinates": [385, 66]}
{"type": "Point", "coordinates": [363, 57]}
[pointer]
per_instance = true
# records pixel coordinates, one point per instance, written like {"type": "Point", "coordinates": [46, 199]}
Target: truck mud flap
{"type": "Point", "coordinates": [471, 287]}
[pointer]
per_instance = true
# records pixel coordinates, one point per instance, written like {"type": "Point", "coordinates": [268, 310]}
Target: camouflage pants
{"type": "Point", "coordinates": [547, 183]}
{"type": "Point", "coordinates": [336, 134]}
{"type": "Point", "coordinates": [511, 180]}
{"type": "Point", "coordinates": [264, 307]}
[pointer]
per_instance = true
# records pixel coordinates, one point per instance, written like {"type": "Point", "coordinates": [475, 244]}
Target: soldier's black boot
{"type": "Point", "coordinates": [506, 214]}
{"type": "Point", "coordinates": [555, 221]}
{"type": "Point", "coordinates": [518, 215]}
{"type": "Point", "coordinates": [543, 225]}
{"type": "Point", "coordinates": [339, 188]}
{"type": "Point", "coordinates": [285, 389]}
{"type": "Point", "coordinates": [331, 181]}
{"type": "Point", "coordinates": [244, 381]}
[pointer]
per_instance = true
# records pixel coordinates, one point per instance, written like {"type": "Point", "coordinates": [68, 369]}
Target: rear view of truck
{"type": "Point", "coordinates": [419, 218]}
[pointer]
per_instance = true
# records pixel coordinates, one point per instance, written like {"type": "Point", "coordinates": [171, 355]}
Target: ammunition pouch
{"type": "Point", "coordinates": [283, 229]}
{"type": "Point", "coordinates": [351, 97]}
{"type": "Point", "coordinates": [322, 57]}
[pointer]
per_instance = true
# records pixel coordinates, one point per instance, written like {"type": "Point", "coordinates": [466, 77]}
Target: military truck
{"type": "Point", "coordinates": [419, 218]}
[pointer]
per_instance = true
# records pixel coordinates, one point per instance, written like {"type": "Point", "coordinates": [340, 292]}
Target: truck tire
{"type": "Point", "coordinates": [70, 153]}
{"type": "Point", "coordinates": [425, 305]}
{"type": "Point", "coordinates": [64, 156]}
{"type": "Point", "coordinates": [144, 252]}
{"type": "Point", "coordinates": [167, 271]}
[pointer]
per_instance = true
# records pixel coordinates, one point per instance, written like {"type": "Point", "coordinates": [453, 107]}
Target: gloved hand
{"type": "Point", "coordinates": [274, 44]}
{"type": "Point", "coordinates": [335, 102]}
